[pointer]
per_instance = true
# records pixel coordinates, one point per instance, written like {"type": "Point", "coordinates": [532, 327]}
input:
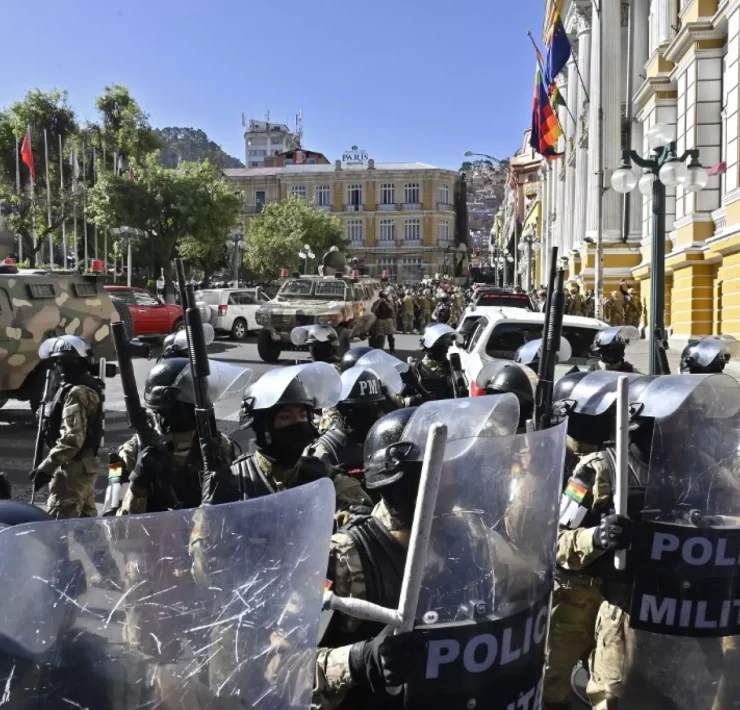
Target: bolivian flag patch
{"type": "Point", "coordinates": [115, 470]}
{"type": "Point", "coordinates": [576, 490]}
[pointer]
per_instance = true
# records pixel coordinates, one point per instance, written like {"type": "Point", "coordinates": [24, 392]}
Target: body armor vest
{"type": "Point", "coordinates": [436, 383]}
{"type": "Point", "coordinates": [94, 432]}
{"type": "Point", "coordinates": [345, 451]}
{"type": "Point", "coordinates": [253, 483]}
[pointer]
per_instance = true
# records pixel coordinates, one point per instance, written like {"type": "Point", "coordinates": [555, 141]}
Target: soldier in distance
{"type": "Point", "coordinates": [322, 341]}
{"type": "Point", "coordinates": [609, 346]}
{"type": "Point", "coordinates": [432, 373]}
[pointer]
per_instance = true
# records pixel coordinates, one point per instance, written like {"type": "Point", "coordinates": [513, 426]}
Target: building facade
{"type": "Point", "coordinates": [398, 217]}
{"type": "Point", "coordinates": [680, 67]}
{"type": "Point", "coordinates": [263, 139]}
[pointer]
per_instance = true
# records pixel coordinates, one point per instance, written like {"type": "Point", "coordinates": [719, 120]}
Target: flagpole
{"type": "Point", "coordinates": [95, 226]}
{"type": "Point", "coordinates": [61, 199]}
{"type": "Point", "coordinates": [544, 76]}
{"type": "Point", "coordinates": [105, 234]}
{"type": "Point", "coordinates": [18, 189]}
{"type": "Point", "coordinates": [48, 198]}
{"type": "Point", "coordinates": [34, 239]}
{"type": "Point", "coordinates": [75, 168]}
{"type": "Point", "coordinates": [84, 199]}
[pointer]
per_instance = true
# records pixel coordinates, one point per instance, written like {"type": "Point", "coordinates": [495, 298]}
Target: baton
{"type": "Point", "coordinates": [620, 492]}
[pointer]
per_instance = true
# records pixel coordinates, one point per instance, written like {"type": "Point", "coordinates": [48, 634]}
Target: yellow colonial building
{"type": "Point", "coordinates": [398, 217]}
{"type": "Point", "coordinates": [683, 70]}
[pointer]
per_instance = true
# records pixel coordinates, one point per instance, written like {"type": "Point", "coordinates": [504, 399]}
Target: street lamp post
{"type": "Point", "coordinates": [235, 241]}
{"type": "Point", "coordinates": [306, 254]}
{"type": "Point", "coordinates": [663, 168]}
{"type": "Point", "coordinates": [127, 234]}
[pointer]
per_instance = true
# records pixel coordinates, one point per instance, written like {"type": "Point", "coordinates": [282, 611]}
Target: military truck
{"type": "Point", "coordinates": [333, 298]}
{"type": "Point", "coordinates": [36, 304]}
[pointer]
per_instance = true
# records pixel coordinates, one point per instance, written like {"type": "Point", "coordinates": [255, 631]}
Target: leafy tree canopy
{"type": "Point", "coordinates": [193, 145]}
{"type": "Point", "coordinates": [279, 232]}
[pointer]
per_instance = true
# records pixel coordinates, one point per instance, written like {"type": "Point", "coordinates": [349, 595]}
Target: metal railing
{"type": "Point", "coordinates": [354, 208]}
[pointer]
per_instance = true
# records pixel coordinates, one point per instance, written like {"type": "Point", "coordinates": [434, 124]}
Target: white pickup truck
{"type": "Point", "coordinates": [494, 333]}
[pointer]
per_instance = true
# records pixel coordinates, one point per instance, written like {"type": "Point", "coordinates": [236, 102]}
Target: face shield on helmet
{"type": "Point", "coordinates": [530, 353]}
{"type": "Point", "coordinates": [375, 356]}
{"type": "Point", "coordinates": [710, 355]}
{"type": "Point", "coordinates": [438, 338]}
{"type": "Point", "coordinates": [65, 347]}
{"type": "Point", "coordinates": [502, 376]}
{"type": "Point", "coordinates": [176, 344]}
{"type": "Point", "coordinates": [350, 358]}
{"type": "Point", "coordinates": [609, 344]}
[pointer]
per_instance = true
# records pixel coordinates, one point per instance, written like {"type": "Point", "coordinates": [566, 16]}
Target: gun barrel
{"type": "Point", "coordinates": [38, 452]}
{"type": "Point", "coordinates": [137, 418]}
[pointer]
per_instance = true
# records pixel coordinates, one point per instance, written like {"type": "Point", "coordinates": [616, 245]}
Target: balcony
{"type": "Point", "coordinates": [387, 207]}
{"type": "Point", "coordinates": [411, 243]}
{"type": "Point", "coordinates": [324, 208]}
{"type": "Point", "coordinates": [253, 209]}
{"type": "Point", "coordinates": [411, 207]}
{"type": "Point", "coordinates": [445, 207]}
{"type": "Point", "coordinates": [354, 208]}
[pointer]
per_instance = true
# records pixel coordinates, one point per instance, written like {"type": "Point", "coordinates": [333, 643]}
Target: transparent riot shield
{"type": "Point", "coordinates": [376, 356]}
{"type": "Point", "coordinates": [682, 632]}
{"type": "Point", "coordinates": [215, 607]}
{"type": "Point", "coordinates": [485, 595]}
{"type": "Point", "coordinates": [224, 379]}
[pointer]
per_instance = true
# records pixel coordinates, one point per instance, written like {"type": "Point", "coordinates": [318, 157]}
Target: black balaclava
{"type": "Point", "coordinates": [612, 354]}
{"type": "Point", "coordinates": [359, 418]}
{"type": "Point", "coordinates": [71, 370]}
{"type": "Point", "coordinates": [400, 497]}
{"type": "Point", "coordinates": [177, 419]}
{"type": "Point", "coordinates": [285, 445]}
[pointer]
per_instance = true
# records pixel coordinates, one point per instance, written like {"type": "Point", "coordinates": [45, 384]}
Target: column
{"type": "Point", "coordinates": [639, 17]}
{"type": "Point", "coordinates": [570, 165]}
{"type": "Point", "coordinates": [665, 21]}
{"type": "Point", "coordinates": [544, 241]}
{"type": "Point", "coordinates": [606, 47]}
{"type": "Point", "coordinates": [732, 115]}
{"type": "Point", "coordinates": [582, 137]}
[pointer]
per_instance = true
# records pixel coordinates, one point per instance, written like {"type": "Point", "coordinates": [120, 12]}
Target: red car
{"type": "Point", "coordinates": [150, 315]}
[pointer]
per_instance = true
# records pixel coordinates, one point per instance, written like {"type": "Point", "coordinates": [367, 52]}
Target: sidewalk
{"type": "Point", "coordinates": [637, 354]}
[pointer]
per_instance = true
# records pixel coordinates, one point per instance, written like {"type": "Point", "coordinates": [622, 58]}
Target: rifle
{"type": "Point", "coordinates": [551, 335]}
{"type": "Point", "coordinates": [459, 383]}
{"type": "Point", "coordinates": [205, 416]}
{"type": "Point", "coordinates": [38, 452]}
{"type": "Point", "coordinates": [138, 420]}
{"type": "Point", "coordinates": [661, 346]}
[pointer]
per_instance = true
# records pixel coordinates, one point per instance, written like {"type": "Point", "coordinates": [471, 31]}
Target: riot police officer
{"type": "Point", "coordinates": [167, 474]}
{"type": "Point", "coordinates": [74, 430]}
{"type": "Point", "coordinates": [350, 358]}
{"type": "Point", "coordinates": [609, 346]}
{"type": "Point", "coordinates": [432, 373]}
{"type": "Point", "coordinates": [530, 353]}
{"type": "Point", "coordinates": [176, 344]}
{"type": "Point", "coordinates": [499, 377]}
{"type": "Point", "coordinates": [709, 355]}
{"type": "Point", "coordinates": [362, 402]}
{"type": "Point", "coordinates": [322, 341]}
{"type": "Point", "coordinates": [279, 408]}
{"type": "Point", "coordinates": [366, 561]}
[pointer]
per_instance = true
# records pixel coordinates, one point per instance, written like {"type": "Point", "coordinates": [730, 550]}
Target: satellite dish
{"type": "Point", "coordinates": [333, 261]}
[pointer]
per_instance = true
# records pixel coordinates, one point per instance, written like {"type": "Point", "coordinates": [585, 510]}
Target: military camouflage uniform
{"type": "Point", "coordinates": [576, 302]}
{"type": "Point", "coordinates": [73, 468]}
{"type": "Point", "coordinates": [614, 309]}
{"type": "Point", "coordinates": [425, 315]}
{"type": "Point", "coordinates": [407, 313]}
{"type": "Point", "coordinates": [333, 679]}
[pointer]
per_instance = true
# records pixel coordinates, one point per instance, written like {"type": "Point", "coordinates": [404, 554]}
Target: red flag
{"type": "Point", "coordinates": [27, 154]}
{"type": "Point", "coordinates": [718, 169]}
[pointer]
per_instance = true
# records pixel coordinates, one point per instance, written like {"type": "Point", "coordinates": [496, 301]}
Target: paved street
{"type": "Point", "coordinates": [18, 429]}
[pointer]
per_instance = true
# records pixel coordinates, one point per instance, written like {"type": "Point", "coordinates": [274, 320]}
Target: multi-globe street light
{"type": "Point", "coordinates": [235, 241]}
{"type": "Point", "coordinates": [664, 168]}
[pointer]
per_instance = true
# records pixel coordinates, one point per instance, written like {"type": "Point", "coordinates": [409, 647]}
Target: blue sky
{"type": "Point", "coordinates": [404, 79]}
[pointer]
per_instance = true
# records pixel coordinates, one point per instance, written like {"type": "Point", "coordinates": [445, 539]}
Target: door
{"type": "Point", "coordinates": [151, 313]}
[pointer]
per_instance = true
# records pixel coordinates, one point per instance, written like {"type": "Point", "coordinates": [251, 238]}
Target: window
{"type": "Point", "coordinates": [126, 296]}
{"type": "Point", "coordinates": [411, 269]}
{"type": "Point", "coordinates": [411, 193]}
{"type": "Point", "coordinates": [299, 190]}
{"type": "Point", "coordinates": [332, 289]}
{"type": "Point", "coordinates": [241, 298]}
{"type": "Point", "coordinates": [387, 230]}
{"type": "Point", "coordinates": [354, 195]}
{"type": "Point", "coordinates": [411, 230]}
{"type": "Point", "coordinates": [444, 194]}
{"type": "Point", "coordinates": [444, 231]}
{"type": "Point", "coordinates": [311, 161]}
{"type": "Point", "coordinates": [143, 298]}
{"type": "Point", "coordinates": [322, 196]}
{"type": "Point", "coordinates": [479, 330]}
{"type": "Point", "coordinates": [387, 194]}
{"type": "Point", "coordinates": [354, 231]}
{"type": "Point", "coordinates": [387, 263]}
{"type": "Point", "coordinates": [254, 163]}
{"type": "Point", "coordinates": [508, 337]}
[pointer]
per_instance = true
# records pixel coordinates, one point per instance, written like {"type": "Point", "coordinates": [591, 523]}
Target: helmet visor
{"type": "Point", "coordinates": [225, 379]}
{"type": "Point", "coordinates": [72, 344]}
{"type": "Point", "coordinates": [381, 357]}
{"type": "Point", "coordinates": [433, 333]}
{"type": "Point", "coordinates": [708, 349]}
{"type": "Point", "coordinates": [320, 380]}
{"type": "Point", "coordinates": [180, 341]}
{"type": "Point", "coordinates": [304, 334]}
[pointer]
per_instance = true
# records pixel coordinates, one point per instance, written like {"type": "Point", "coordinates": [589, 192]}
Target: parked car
{"type": "Point", "coordinates": [493, 296]}
{"type": "Point", "coordinates": [150, 315]}
{"type": "Point", "coordinates": [231, 310]}
{"type": "Point", "coordinates": [495, 333]}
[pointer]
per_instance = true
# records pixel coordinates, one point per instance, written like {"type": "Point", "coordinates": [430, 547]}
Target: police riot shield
{"type": "Point", "coordinates": [376, 356]}
{"type": "Point", "coordinates": [224, 379]}
{"type": "Point", "coordinates": [597, 391]}
{"type": "Point", "coordinates": [485, 595]}
{"type": "Point", "coordinates": [683, 629]}
{"type": "Point", "coordinates": [215, 607]}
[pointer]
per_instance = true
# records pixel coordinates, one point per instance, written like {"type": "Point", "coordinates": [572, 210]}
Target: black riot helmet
{"type": "Point", "coordinates": [609, 344]}
{"type": "Point", "coordinates": [361, 398]}
{"type": "Point", "coordinates": [163, 397]}
{"type": "Point", "coordinates": [350, 358]}
{"type": "Point", "coordinates": [437, 340]}
{"type": "Point", "coordinates": [386, 453]}
{"type": "Point", "coordinates": [709, 355]}
{"type": "Point", "coordinates": [70, 354]}
{"type": "Point", "coordinates": [500, 377]}
{"type": "Point", "coordinates": [585, 429]}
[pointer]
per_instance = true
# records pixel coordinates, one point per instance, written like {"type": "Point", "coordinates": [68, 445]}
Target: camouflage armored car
{"type": "Point", "coordinates": [36, 304]}
{"type": "Point", "coordinates": [340, 301]}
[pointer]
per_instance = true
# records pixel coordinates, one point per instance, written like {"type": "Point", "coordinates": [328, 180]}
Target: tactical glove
{"type": "Point", "coordinates": [383, 662]}
{"type": "Point", "coordinates": [220, 486]}
{"type": "Point", "coordinates": [40, 478]}
{"type": "Point", "coordinates": [152, 463]}
{"type": "Point", "coordinates": [615, 532]}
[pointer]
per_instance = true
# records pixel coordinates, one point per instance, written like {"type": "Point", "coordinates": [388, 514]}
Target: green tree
{"type": "Point", "coordinates": [278, 233]}
{"type": "Point", "coordinates": [168, 205]}
{"type": "Point", "coordinates": [191, 144]}
{"type": "Point", "coordinates": [39, 111]}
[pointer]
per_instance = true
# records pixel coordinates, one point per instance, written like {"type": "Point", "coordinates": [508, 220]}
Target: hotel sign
{"type": "Point", "coordinates": [354, 156]}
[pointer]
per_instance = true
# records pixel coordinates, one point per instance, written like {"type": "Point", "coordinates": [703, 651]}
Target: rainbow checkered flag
{"type": "Point", "coordinates": [545, 126]}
